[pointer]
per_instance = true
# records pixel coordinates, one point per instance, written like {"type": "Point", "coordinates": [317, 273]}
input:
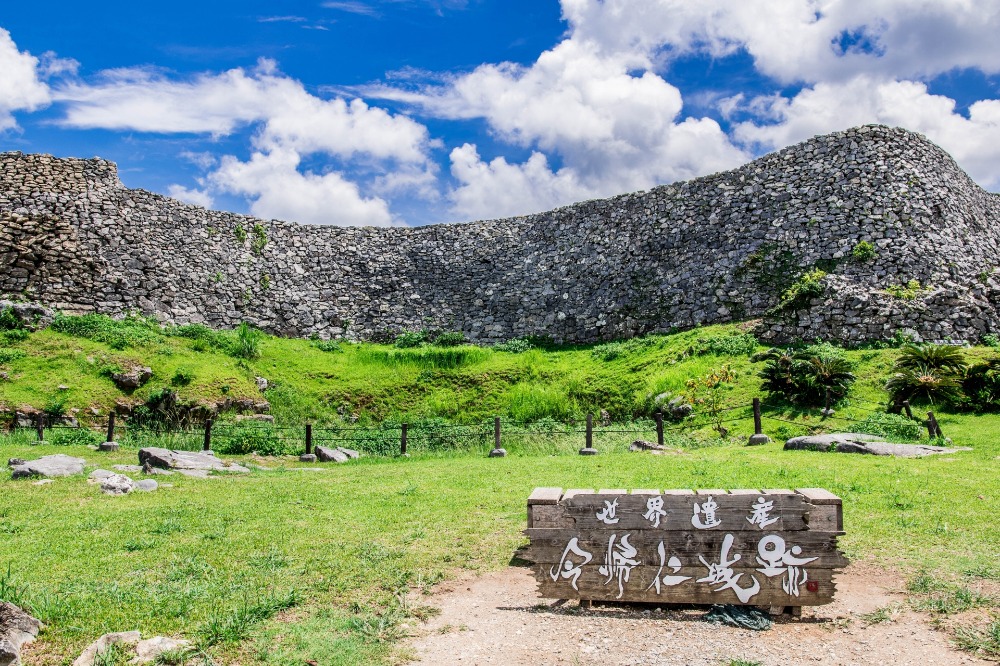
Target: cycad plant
{"type": "Point", "coordinates": [928, 373]}
{"type": "Point", "coordinates": [813, 376]}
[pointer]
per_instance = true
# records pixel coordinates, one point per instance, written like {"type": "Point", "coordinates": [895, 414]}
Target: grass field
{"type": "Point", "coordinates": [284, 566]}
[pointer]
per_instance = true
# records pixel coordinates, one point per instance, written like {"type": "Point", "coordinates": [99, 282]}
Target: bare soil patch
{"type": "Point", "coordinates": [498, 619]}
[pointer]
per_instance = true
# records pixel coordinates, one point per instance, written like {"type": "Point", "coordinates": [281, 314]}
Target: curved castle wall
{"type": "Point", "coordinates": [713, 249]}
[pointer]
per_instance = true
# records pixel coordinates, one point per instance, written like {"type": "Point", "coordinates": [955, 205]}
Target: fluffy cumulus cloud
{"type": "Point", "coordinates": [22, 87]}
{"type": "Point", "coordinates": [291, 124]}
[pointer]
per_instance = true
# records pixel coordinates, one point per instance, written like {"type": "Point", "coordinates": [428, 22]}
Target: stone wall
{"type": "Point", "coordinates": [714, 249]}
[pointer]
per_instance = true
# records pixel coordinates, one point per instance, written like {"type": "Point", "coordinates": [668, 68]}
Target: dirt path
{"type": "Point", "coordinates": [498, 619]}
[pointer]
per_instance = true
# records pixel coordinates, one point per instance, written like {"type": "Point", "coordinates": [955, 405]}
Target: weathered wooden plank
{"type": "Point", "coordinates": [549, 545]}
{"type": "Point", "coordinates": [645, 492]}
{"type": "Point", "coordinates": [744, 491]}
{"type": "Point", "coordinates": [777, 491]}
{"type": "Point", "coordinates": [682, 491]}
{"type": "Point", "coordinates": [710, 492]}
{"type": "Point", "coordinates": [613, 491]}
{"type": "Point", "coordinates": [549, 515]}
{"type": "Point", "coordinates": [815, 588]}
{"type": "Point", "coordinates": [825, 518]}
{"type": "Point", "coordinates": [819, 496]}
{"type": "Point", "coordinates": [728, 512]}
{"type": "Point", "coordinates": [573, 492]}
{"type": "Point", "coordinates": [544, 496]}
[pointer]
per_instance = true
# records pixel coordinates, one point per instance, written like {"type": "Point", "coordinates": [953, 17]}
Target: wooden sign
{"type": "Point", "coordinates": [775, 548]}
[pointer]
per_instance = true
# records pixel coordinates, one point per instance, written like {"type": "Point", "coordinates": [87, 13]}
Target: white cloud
{"type": "Point", "coordinates": [974, 141]}
{"type": "Point", "coordinates": [21, 86]}
{"type": "Point", "coordinates": [191, 195]}
{"type": "Point", "coordinates": [279, 190]}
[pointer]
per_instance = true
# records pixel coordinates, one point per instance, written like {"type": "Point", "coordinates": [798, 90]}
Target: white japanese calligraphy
{"type": "Point", "coordinates": [571, 564]}
{"type": "Point", "coordinates": [607, 514]}
{"type": "Point", "coordinates": [654, 510]}
{"type": "Point", "coordinates": [778, 560]}
{"type": "Point", "coordinates": [762, 513]}
{"type": "Point", "coordinates": [675, 565]}
{"type": "Point", "coordinates": [708, 507]}
{"type": "Point", "coordinates": [619, 562]}
{"type": "Point", "coordinates": [722, 573]}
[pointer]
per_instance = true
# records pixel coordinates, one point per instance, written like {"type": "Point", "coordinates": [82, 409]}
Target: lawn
{"type": "Point", "coordinates": [287, 565]}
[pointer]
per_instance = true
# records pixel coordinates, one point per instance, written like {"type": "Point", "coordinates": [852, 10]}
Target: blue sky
{"type": "Point", "coordinates": [390, 112]}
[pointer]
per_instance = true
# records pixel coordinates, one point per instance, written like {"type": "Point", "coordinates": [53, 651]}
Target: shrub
{"type": "Point", "coordinates": [981, 385]}
{"type": "Point", "coordinates": [809, 285]}
{"type": "Point", "coordinates": [9, 355]}
{"type": "Point", "coordinates": [863, 251]}
{"type": "Point", "coordinates": [807, 376]}
{"type": "Point", "coordinates": [249, 437]}
{"type": "Point", "coordinates": [13, 336]}
{"type": "Point", "coordinates": [450, 339]}
{"type": "Point", "coordinates": [201, 334]}
{"type": "Point", "coordinates": [736, 344]}
{"type": "Point", "coordinates": [182, 377]}
{"type": "Point", "coordinates": [991, 340]}
{"type": "Point", "coordinates": [408, 339]}
{"type": "Point", "coordinates": [259, 240]}
{"type": "Point", "coordinates": [75, 437]}
{"type": "Point", "coordinates": [927, 373]}
{"type": "Point", "coordinates": [906, 292]}
{"type": "Point", "coordinates": [891, 426]}
{"type": "Point", "coordinates": [130, 331]}
{"type": "Point", "coordinates": [515, 346]}
{"type": "Point", "coordinates": [240, 233]}
{"type": "Point", "coordinates": [247, 344]}
{"type": "Point", "coordinates": [9, 321]}
{"type": "Point", "coordinates": [328, 345]}
{"type": "Point", "coordinates": [55, 407]}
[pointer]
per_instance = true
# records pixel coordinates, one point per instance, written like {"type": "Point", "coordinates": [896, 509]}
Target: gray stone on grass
{"type": "Point", "coordinates": [14, 462]}
{"type": "Point", "coordinates": [99, 475]}
{"type": "Point", "coordinates": [307, 458]}
{"type": "Point", "coordinates": [186, 460]}
{"type": "Point", "coordinates": [117, 484]}
{"type": "Point", "coordinates": [757, 440]}
{"type": "Point", "coordinates": [861, 443]}
{"type": "Point", "coordinates": [643, 445]}
{"type": "Point", "coordinates": [147, 651]}
{"type": "Point", "coordinates": [498, 452]}
{"type": "Point", "coordinates": [326, 454]}
{"type": "Point", "coordinates": [146, 485]}
{"type": "Point", "coordinates": [50, 467]}
{"type": "Point", "coordinates": [108, 447]}
{"type": "Point", "coordinates": [132, 378]}
{"type": "Point", "coordinates": [17, 628]}
{"type": "Point", "coordinates": [98, 647]}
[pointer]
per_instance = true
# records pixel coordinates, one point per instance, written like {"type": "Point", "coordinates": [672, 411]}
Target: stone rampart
{"type": "Point", "coordinates": [719, 248]}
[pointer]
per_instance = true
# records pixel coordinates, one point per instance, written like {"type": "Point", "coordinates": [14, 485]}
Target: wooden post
{"type": "Point", "coordinates": [906, 406]}
{"type": "Point", "coordinates": [40, 426]}
{"type": "Point", "coordinates": [207, 446]}
{"type": "Point", "coordinates": [826, 405]}
{"type": "Point", "coordinates": [933, 429]}
{"type": "Point", "coordinates": [309, 438]}
{"type": "Point", "coordinates": [758, 428]}
{"type": "Point", "coordinates": [589, 449]}
{"type": "Point", "coordinates": [659, 428]}
{"type": "Point", "coordinates": [402, 441]}
{"type": "Point", "coordinates": [111, 427]}
{"type": "Point", "coordinates": [498, 451]}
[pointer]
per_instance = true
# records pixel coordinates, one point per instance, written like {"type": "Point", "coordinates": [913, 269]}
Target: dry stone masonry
{"type": "Point", "coordinates": [714, 249]}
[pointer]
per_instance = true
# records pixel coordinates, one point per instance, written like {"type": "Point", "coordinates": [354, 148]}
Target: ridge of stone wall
{"type": "Point", "coordinates": [714, 249]}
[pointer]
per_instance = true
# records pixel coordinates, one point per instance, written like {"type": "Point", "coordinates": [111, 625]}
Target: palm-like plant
{"type": "Point", "coordinates": [810, 376]}
{"type": "Point", "coordinates": [928, 373]}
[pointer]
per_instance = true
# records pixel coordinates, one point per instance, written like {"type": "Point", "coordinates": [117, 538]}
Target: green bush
{"type": "Point", "coordinates": [259, 240]}
{"type": "Point", "coordinates": [10, 321]}
{"type": "Point", "coordinates": [328, 345]}
{"type": "Point", "coordinates": [408, 339]}
{"type": "Point", "coordinates": [737, 344]}
{"type": "Point", "coordinates": [13, 336]}
{"type": "Point", "coordinates": [890, 426]}
{"type": "Point", "coordinates": [981, 386]}
{"type": "Point", "coordinates": [9, 355]}
{"type": "Point", "coordinates": [515, 346]}
{"type": "Point", "coordinates": [807, 376]}
{"type": "Point", "coordinates": [74, 437]}
{"type": "Point", "coordinates": [906, 292]}
{"type": "Point", "coordinates": [450, 339]}
{"type": "Point", "coordinates": [130, 331]}
{"type": "Point", "coordinates": [204, 337]}
{"type": "Point", "coordinates": [248, 437]}
{"type": "Point", "coordinates": [247, 343]}
{"type": "Point", "coordinates": [807, 286]}
{"type": "Point", "coordinates": [863, 251]}
{"type": "Point", "coordinates": [991, 340]}
{"type": "Point", "coordinates": [927, 373]}
{"type": "Point", "coordinates": [182, 376]}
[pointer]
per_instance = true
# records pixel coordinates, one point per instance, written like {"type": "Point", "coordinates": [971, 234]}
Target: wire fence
{"type": "Point", "coordinates": [709, 425]}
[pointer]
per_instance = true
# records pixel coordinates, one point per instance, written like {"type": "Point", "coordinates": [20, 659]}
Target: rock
{"type": "Point", "coordinates": [757, 440]}
{"type": "Point", "coordinates": [126, 638]}
{"type": "Point", "coordinates": [643, 445]}
{"type": "Point", "coordinates": [4, 376]}
{"type": "Point", "coordinates": [186, 460]}
{"type": "Point", "coordinates": [193, 473]}
{"type": "Point", "coordinates": [108, 447]}
{"type": "Point", "coordinates": [99, 475]}
{"type": "Point", "coordinates": [148, 650]}
{"type": "Point", "coordinates": [325, 454]}
{"type": "Point", "coordinates": [132, 378]}
{"type": "Point", "coordinates": [50, 467]}
{"type": "Point", "coordinates": [861, 443]}
{"type": "Point", "coordinates": [146, 485]}
{"type": "Point", "coordinates": [498, 453]}
{"type": "Point", "coordinates": [307, 458]}
{"type": "Point", "coordinates": [117, 484]}
{"type": "Point", "coordinates": [14, 462]}
{"type": "Point", "coordinates": [261, 384]}
{"type": "Point", "coordinates": [350, 453]}
{"type": "Point", "coordinates": [17, 628]}
{"type": "Point", "coordinates": [588, 451]}
{"type": "Point", "coordinates": [31, 316]}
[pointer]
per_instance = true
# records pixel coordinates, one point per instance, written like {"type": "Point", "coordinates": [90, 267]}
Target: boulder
{"type": "Point", "coordinates": [350, 453]}
{"type": "Point", "coordinates": [850, 442]}
{"type": "Point", "coordinates": [117, 484]}
{"type": "Point", "coordinates": [31, 316]}
{"type": "Point", "coordinates": [133, 378]}
{"type": "Point", "coordinates": [149, 650]}
{"type": "Point", "coordinates": [98, 647]}
{"type": "Point", "coordinates": [307, 458]}
{"type": "Point", "coordinates": [17, 628]}
{"type": "Point", "coordinates": [14, 462]}
{"type": "Point", "coordinates": [50, 467]}
{"type": "Point", "coordinates": [326, 454]}
{"type": "Point", "coordinates": [99, 475]}
{"type": "Point", "coordinates": [186, 460]}
{"type": "Point", "coordinates": [643, 445]}
{"type": "Point", "coordinates": [261, 383]}
{"type": "Point", "coordinates": [146, 485]}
